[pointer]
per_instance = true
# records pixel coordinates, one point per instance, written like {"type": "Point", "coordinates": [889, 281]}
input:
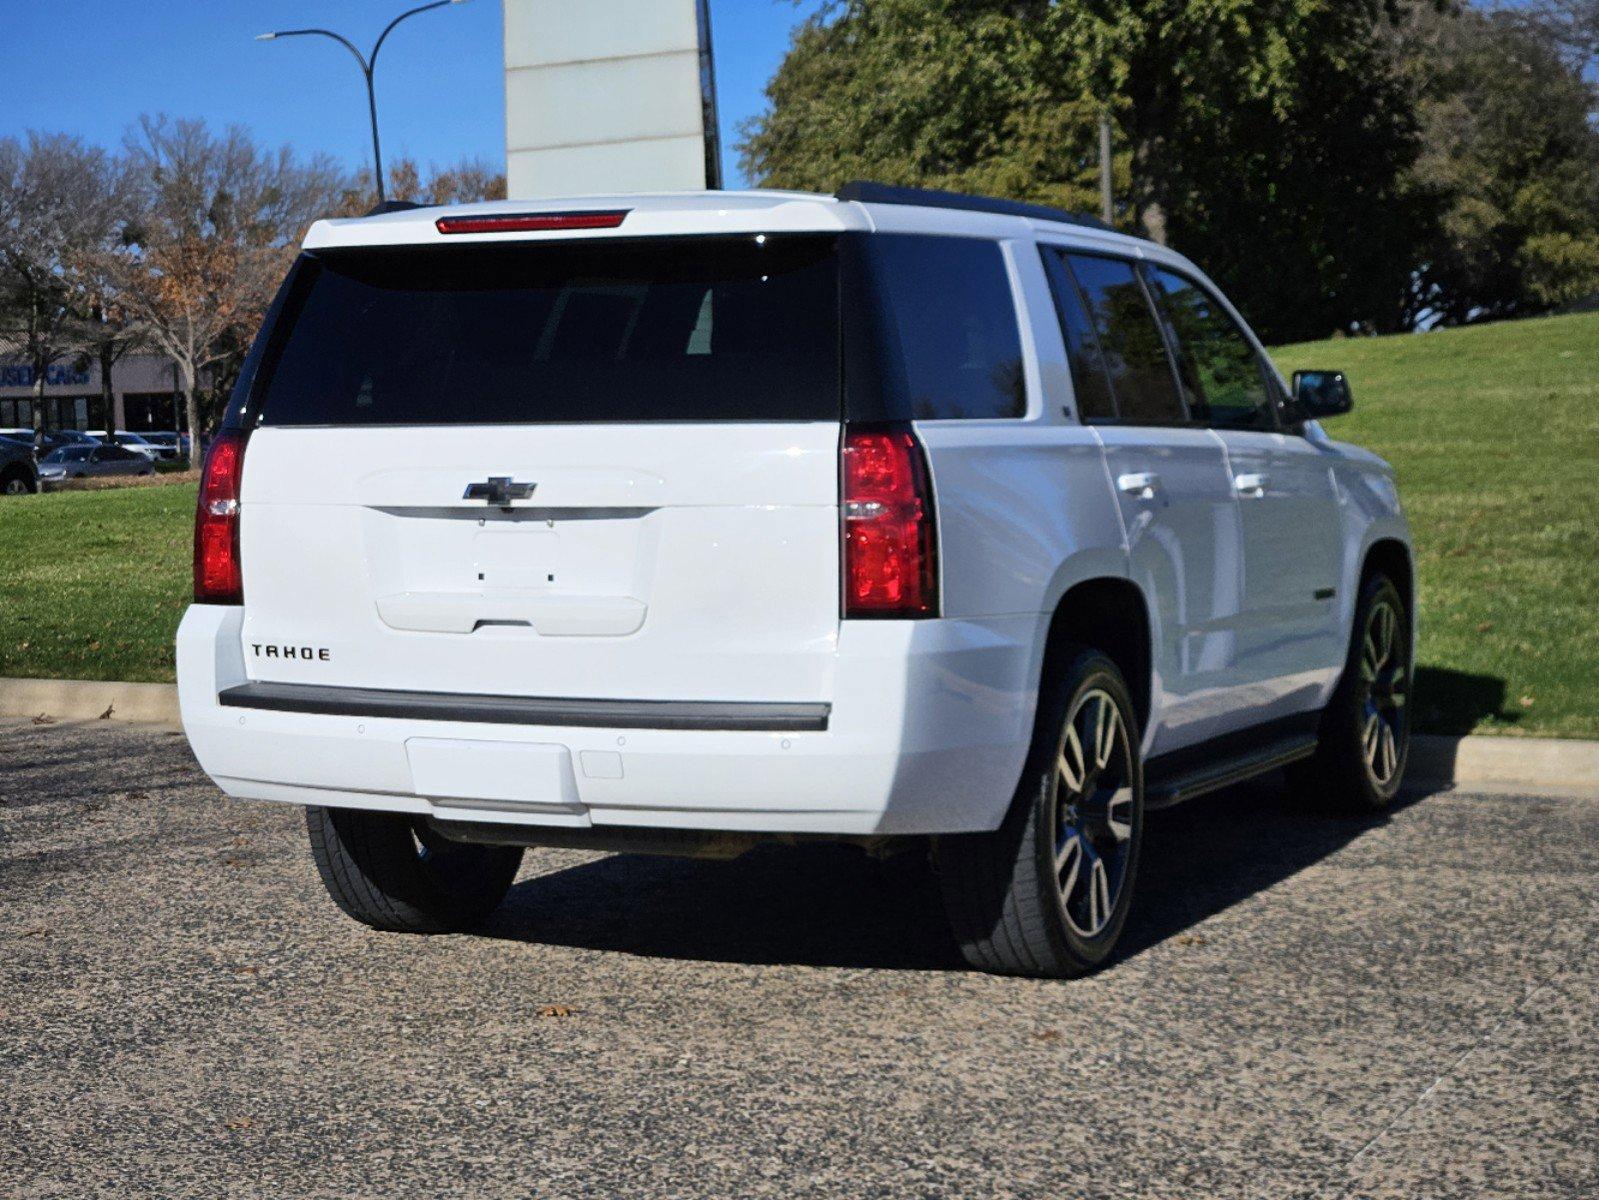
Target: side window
{"type": "Point", "coordinates": [948, 302]}
{"type": "Point", "coordinates": [1134, 349]}
{"type": "Point", "coordinates": [1090, 376]}
{"type": "Point", "coordinates": [1217, 362]}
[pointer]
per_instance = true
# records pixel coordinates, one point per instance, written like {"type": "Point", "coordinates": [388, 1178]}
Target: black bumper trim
{"type": "Point", "coordinates": [529, 710]}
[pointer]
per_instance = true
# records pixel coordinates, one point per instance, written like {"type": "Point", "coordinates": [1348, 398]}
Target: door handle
{"type": "Point", "coordinates": [1141, 484]}
{"type": "Point", "coordinates": [1253, 486]}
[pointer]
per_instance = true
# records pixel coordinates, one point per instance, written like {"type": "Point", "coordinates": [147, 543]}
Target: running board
{"type": "Point", "coordinates": [1162, 790]}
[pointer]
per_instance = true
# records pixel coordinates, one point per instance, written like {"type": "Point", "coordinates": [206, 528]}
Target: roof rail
{"type": "Point", "coordinates": [867, 192]}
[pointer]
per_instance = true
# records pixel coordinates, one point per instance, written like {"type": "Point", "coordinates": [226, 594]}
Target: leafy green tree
{"type": "Point", "coordinates": [1511, 147]}
{"type": "Point", "coordinates": [1269, 138]}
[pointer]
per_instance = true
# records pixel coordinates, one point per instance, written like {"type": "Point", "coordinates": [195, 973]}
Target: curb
{"type": "Point", "coordinates": [1505, 762]}
{"type": "Point", "coordinates": [87, 700]}
{"type": "Point", "coordinates": [1463, 761]}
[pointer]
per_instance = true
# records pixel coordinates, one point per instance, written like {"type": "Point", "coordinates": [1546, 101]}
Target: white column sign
{"type": "Point", "coordinates": [609, 96]}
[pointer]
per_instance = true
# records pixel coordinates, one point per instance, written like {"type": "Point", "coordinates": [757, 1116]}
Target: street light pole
{"type": "Point", "coordinates": [1107, 195]}
{"type": "Point", "coordinates": [368, 64]}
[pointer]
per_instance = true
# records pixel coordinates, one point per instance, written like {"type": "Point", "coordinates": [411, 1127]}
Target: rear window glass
{"type": "Point", "coordinates": [681, 329]}
{"type": "Point", "coordinates": [948, 321]}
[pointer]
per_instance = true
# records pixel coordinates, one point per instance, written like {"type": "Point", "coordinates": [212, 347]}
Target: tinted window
{"type": "Point", "coordinates": [1090, 376]}
{"type": "Point", "coordinates": [1217, 362]}
{"type": "Point", "coordinates": [116, 454]}
{"type": "Point", "coordinates": [948, 321]}
{"type": "Point", "coordinates": [69, 454]}
{"type": "Point", "coordinates": [1134, 349]}
{"type": "Point", "coordinates": [681, 329]}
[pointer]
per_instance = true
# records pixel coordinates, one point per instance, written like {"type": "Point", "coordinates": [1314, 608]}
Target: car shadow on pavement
{"type": "Point", "coordinates": [1203, 857]}
{"type": "Point", "coordinates": [832, 906]}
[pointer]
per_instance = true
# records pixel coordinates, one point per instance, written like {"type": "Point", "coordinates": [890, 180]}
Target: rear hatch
{"type": "Point", "coordinates": [596, 468]}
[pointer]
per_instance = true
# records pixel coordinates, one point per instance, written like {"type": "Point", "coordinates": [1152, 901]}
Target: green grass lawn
{"type": "Point", "coordinates": [92, 584]}
{"type": "Point", "coordinates": [1494, 431]}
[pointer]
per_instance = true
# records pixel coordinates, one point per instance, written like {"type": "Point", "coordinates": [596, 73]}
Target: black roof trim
{"type": "Point", "coordinates": [867, 192]}
{"type": "Point", "coordinates": [389, 206]}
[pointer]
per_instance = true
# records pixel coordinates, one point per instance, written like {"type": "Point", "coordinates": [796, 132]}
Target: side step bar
{"type": "Point", "coordinates": [1163, 790]}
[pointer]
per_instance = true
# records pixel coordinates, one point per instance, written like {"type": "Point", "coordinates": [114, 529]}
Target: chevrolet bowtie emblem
{"type": "Point", "coordinates": [498, 490]}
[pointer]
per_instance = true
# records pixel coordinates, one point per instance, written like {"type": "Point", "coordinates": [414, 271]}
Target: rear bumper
{"type": "Point", "coordinates": [925, 733]}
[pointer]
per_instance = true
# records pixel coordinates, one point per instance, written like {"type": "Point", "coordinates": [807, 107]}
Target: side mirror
{"type": "Point", "coordinates": [1321, 394]}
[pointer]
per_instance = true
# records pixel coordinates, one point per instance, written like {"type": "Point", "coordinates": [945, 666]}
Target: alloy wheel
{"type": "Point", "coordinates": [1094, 812]}
{"type": "Point", "coordinates": [1385, 688]}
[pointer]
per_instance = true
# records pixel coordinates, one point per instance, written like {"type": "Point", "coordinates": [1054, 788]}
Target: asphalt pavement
{"type": "Point", "coordinates": [1405, 1007]}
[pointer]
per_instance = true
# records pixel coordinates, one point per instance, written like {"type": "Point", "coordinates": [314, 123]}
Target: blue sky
{"type": "Point", "coordinates": [91, 66]}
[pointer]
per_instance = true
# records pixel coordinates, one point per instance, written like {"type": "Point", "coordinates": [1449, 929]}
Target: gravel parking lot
{"type": "Point", "coordinates": [1404, 1007]}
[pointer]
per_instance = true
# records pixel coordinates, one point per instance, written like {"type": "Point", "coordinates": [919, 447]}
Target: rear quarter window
{"type": "Point", "coordinates": [946, 321]}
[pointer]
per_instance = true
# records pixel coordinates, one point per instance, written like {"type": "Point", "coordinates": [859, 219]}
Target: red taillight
{"type": "Point", "coordinates": [890, 555]}
{"type": "Point", "coordinates": [531, 222]}
{"type": "Point", "coordinates": [217, 577]}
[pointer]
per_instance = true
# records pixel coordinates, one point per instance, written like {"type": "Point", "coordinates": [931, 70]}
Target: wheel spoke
{"type": "Point", "coordinates": [1073, 769]}
{"type": "Point", "coordinates": [1368, 659]}
{"type": "Point", "coordinates": [1382, 624]}
{"type": "Point", "coordinates": [1098, 897]}
{"type": "Point", "coordinates": [1110, 722]}
{"type": "Point", "coordinates": [1069, 858]}
{"type": "Point", "coordinates": [1368, 739]}
{"type": "Point", "coordinates": [1390, 753]}
{"type": "Point", "coordinates": [1121, 827]}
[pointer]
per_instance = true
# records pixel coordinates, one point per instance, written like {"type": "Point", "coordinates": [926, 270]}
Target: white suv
{"type": "Point", "coordinates": [672, 523]}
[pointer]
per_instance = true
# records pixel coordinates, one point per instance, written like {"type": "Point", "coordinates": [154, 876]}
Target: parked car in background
{"type": "Point", "coordinates": [82, 462]}
{"type": "Point", "coordinates": [133, 441]}
{"type": "Point", "coordinates": [168, 445]}
{"type": "Point", "coordinates": [52, 439]}
{"type": "Point", "coordinates": [18, 474]}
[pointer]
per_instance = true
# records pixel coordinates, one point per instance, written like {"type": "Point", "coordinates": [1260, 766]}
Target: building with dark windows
{"type": "Point", "coordinates": [147, 385]}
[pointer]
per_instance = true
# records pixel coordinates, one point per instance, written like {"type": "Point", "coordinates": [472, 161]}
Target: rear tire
{"type": "Point", "coordinates": [1048, 892]}
{"type": "Point", "coordinates": [1364, 739]}
{"type": "Point", "coordinates": [18, 483]}
{"type": "Point", "coordinates": [391, 872]}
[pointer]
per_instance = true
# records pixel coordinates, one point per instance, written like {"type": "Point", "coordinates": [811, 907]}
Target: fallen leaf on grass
{"type": "Point", "coordinates": [44, 719]}
{"type": "Point", "coordinates": [240, 1122]}
{"type": "Point", "coordinates": [1048, 1035]}
{"type": "Point", "coordinates": [248, 971]}
{"type": "Point", "coordinates": [1192, 939]}
{"type": "Point", "coordinates": [557, 1010]}
{"type": "Point", "coordinates": [1525, 702]}
{"type": "Point", "coordinates": [1485, 626]}
{"type": "Point", "coordinates": [233, 862]}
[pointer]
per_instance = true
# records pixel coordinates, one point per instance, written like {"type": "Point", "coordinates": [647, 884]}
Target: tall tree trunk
{"type": "Point", "coordinates": [191, 410]}
{"type": "Point", "coordinates": [108, 398]}
{"type": "Point", "coordinates": [1155, 222]}
{"type": "Point", "coordinates": [41, 365]}
{"type": "Point", "coordinates": [1147, 188]}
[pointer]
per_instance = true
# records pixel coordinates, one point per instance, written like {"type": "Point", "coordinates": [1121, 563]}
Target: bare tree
{"type": "Point", "coordinates": [219, 217]}
{"type": "Point", "coordinates": [60, 202]}
{"type": "Point", "coordinates": [468, 180]}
